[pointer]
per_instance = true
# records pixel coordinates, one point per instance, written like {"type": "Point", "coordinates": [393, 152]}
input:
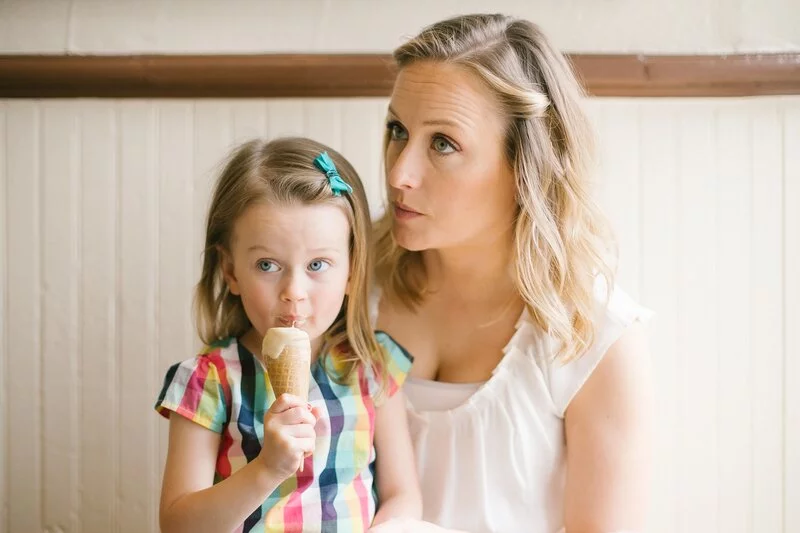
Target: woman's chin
{"type": "Point", "coordinates": [413, 242]}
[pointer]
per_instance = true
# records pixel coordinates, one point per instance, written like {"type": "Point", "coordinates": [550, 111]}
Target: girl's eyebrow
{"type": "Point", "coordinates": [324, 249]}
{"type": "Point", "coordinates": [258, 247]}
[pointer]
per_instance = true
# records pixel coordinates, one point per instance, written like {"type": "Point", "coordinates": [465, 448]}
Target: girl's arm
{"type": "Point", "coordinates": [190, 503]}
{"type": "Point", "coordinates": [608, 441]}
{"type": "Point", "coordinates": [396, 471]}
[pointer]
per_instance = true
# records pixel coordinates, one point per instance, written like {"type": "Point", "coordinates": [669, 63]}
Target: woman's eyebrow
{"type": "Point", "coordinates": [432, 122]}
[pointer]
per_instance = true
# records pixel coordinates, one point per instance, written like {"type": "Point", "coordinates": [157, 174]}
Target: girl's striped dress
{"type": "Point", "coordinates": [226, 389]}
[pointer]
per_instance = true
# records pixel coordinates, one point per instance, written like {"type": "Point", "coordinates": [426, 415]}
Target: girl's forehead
{"type": "Point", "coordinates": [301, 226]}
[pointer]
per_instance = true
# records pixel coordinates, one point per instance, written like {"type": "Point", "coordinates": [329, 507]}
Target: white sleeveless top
{"type": "Point", "coordinates": [432, 395]}
{"type": "Point", "coordinates": [493, 459]}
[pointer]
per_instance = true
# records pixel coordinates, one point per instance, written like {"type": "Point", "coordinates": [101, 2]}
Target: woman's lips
{"type": "Point", "coordinates": [404, 212]}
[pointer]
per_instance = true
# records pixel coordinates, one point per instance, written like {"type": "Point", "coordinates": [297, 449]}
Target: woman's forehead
{"type": "Point", "coordinates": [428, 92]}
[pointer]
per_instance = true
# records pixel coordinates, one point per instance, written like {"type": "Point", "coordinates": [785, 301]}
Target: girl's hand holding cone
{"type": "Point", "coordinates": [289, 435]}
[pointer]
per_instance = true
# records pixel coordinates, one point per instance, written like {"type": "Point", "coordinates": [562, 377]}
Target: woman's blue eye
{"type": "Point", "coordinates": [318, 266]}
{"type": "Point", "coordinates": [443, 146]}
{"type": "Point", "coordinates": [266, 266]}
{"type": "Point", "coordinates": [396, 131]}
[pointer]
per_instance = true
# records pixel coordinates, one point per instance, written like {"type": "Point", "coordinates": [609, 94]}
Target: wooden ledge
{"type": "Point", "coordinates": [354, 75]}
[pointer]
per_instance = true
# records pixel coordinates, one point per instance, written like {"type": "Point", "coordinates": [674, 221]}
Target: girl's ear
{"type": "Point", "coordinates": [228, 273]}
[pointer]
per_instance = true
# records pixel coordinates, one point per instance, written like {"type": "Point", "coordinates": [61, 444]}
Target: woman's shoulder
{"type": "Point", "coordinates": [613, 304]}
{"type": "Point", "coordinates": [615, 312]}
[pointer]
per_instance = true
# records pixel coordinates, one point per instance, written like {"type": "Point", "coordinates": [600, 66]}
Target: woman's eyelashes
{"type": "Point", "coordinates": [440, 143]}
{"type": "Point", "coordinates": [396, 131]}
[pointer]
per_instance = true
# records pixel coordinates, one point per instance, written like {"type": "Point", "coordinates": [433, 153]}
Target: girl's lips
{"type": "Point", "coordinates": [292, 320]}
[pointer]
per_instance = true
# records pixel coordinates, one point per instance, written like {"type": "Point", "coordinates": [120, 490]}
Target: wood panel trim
{"type": "Point", "coordinates": [353, 75]}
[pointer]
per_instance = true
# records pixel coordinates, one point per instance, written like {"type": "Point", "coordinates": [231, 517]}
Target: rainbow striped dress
{"type": "Point", "coordinates": [226, 389]}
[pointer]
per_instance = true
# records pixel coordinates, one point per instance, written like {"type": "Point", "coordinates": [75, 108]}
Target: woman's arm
{"type": "Point", "coordinates": [608, 441]}
{"type": "Point", "coordinates": [396, 471]}
{"type": "Point", "coordinates": [190, 503]}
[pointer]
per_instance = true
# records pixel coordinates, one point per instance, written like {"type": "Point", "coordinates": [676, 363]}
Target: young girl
{"type": "Point", "coordinates": [287, 244]}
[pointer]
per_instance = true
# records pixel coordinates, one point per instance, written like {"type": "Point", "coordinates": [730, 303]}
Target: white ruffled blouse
{"type": "Point", "coordinates": [491, 457]}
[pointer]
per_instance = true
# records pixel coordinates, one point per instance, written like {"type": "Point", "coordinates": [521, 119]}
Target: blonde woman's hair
{"type": "Point", "coordinates": [282, 172]}
{"type": "Point", "coordinates": [562, 242]}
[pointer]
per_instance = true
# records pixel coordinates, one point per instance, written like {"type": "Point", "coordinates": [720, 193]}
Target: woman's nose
{"type": "Point", "coordinates": [405, 171]}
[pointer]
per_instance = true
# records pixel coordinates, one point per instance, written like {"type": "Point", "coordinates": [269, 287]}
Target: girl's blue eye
{"type": "Point", "coordinates": [318, 266]}
{"type": "Point", "coordinates": [443, 146]}
{"type": "Point", "coordinates": [266, 266]}
{"type": "Point", "coordinates": [396, 131]}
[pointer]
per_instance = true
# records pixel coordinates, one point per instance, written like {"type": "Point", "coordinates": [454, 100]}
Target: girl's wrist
{"type": "Point", "coordinates": [264, 478]}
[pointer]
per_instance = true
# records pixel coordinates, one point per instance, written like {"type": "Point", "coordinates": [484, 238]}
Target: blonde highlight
{"type": "Point", "coordinates": [562, 242]}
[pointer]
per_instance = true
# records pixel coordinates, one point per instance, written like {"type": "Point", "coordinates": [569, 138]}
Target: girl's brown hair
{"type": "Point", "coordinates": [282, 172]}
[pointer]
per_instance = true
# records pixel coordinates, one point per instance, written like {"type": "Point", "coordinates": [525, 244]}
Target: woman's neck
{"type": "Point", "coordinates": [473, 273]}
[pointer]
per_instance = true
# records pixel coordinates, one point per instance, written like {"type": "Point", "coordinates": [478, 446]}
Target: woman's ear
{"type": "Point", "coordinates": [228, 273]}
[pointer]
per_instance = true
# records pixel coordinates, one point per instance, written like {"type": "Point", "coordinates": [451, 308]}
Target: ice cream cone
{"type": "Point", "coordinates": [287, 354]}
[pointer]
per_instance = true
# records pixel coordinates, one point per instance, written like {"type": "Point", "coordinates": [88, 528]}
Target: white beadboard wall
{"type": "Point", "coordinates": [102, 206]}
{"type": "Point", "coordinates": [326, 26]}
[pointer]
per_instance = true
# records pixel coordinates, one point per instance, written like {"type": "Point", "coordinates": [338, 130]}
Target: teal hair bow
{"type": "Point", "coordinates": [324, 162]}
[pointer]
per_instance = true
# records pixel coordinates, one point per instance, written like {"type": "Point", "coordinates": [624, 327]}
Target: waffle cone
{"type": "Point", "coordinates": [290, 372]}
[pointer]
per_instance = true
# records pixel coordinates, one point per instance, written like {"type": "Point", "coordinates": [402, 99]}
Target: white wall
{"type": "Point", "coordinates": [103, 204]}
{"type": "Point", "coordinates": [101, 207]}
{"type": "Point", "coordinates": [214, 26]}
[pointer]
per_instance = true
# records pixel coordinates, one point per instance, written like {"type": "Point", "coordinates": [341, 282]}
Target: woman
{"type": "Point", "coordinates": [529, 394]}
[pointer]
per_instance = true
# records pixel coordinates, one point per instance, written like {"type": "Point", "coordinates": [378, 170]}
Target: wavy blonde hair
{"type": "Point", "coordinates": [562, 241]}
{"type": "Point", "coordinates": [282, 172]}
